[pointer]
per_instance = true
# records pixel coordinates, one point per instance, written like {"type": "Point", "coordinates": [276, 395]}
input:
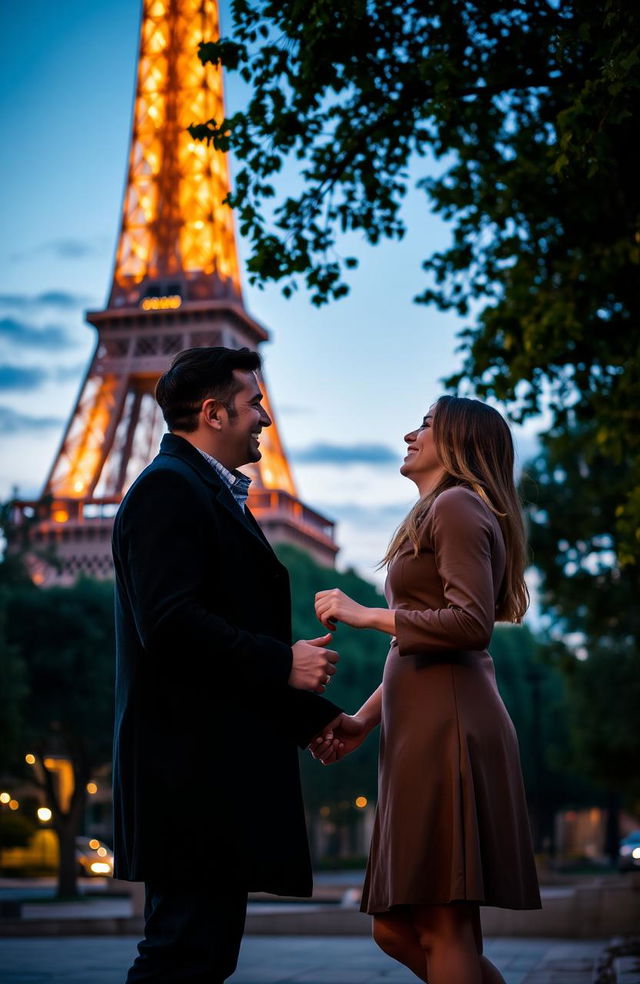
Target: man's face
{"type": "Point", "coordinates": [241, 432]}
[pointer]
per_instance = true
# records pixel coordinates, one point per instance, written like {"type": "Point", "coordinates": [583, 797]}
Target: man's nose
{"type": "Point", "coordinates": [266, 419]}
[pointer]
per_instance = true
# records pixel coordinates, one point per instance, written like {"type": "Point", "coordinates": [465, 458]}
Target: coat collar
{"type": "Point", "coordinates": [177, 447]}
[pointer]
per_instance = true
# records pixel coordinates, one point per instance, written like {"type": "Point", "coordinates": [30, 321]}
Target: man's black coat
{"type": "Point", "coordinates": [206, 778]}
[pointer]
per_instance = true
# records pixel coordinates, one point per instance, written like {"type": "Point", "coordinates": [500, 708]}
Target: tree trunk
{"type": "Point", "coordinates": [67, 816]}
{"type": "Point", "coordinates": [67, 872]}
{"type": "Point", "coordinates": [612, 831]}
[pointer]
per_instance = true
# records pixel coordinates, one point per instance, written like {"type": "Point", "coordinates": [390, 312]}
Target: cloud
{"type": "Point", "coordinates": [16, 300]}
{"type": "Point", "coordinates": [21, 377]}
{"type": "Point", "coordinates": [29, 336]}
{"type": "Point", "coordinates": [66, 374]}
{"type": "Point", "coordinates": [338, 454]}
{"type": "Point", "coordinates": [12, 422]}
{"type": "Point", "coordinates": [31, 377]}
{"type": "Point", "coordinates": [61, 299]}
{"type": "Point", "coordinates": [65, 249]}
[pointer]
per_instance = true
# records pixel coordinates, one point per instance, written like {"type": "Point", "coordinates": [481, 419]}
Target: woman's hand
{"type": "Point", "coordinates": [335, 606]}
{"type": "Point", "coordinates": [341, 737]}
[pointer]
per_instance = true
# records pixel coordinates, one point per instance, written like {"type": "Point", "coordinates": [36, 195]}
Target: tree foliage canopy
{"type": "Point", "coordinates": [66, 641]}
{"type": "Point", "coordinates": [56, 659]}
{"type": "Point", "coordinates": [530, 110]}
{"type": "Point", "coordinates": [573, 494]}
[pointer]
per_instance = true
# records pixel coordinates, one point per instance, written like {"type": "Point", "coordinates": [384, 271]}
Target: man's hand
{"type": "Point", "coordinates": [342, 736]}
{"type": "Point", "coordinates": [313, 665]}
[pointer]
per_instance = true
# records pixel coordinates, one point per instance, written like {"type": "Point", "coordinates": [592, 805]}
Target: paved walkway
{"type": "Point", "coordinates": [289, 960]}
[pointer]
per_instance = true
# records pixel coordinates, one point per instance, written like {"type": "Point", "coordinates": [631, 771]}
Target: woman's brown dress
{"type": "Point", "coordinates": [452, 821]}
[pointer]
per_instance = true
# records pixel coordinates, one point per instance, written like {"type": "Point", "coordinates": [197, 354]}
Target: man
{"type": "Point", "coordinates": [211, 697]}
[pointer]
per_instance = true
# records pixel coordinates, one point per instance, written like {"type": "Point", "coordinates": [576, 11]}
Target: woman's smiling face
{"type": "Point", "coordinates": [422, 464]}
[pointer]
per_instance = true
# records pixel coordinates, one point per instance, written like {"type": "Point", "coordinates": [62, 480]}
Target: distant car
{"type": "Point", "coordinates": [629, 852]}
{"type": "Point", "coordinates": [93, 857]}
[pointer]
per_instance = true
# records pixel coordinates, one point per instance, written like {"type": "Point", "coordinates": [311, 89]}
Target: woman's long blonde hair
{"type": "Point", "coordinates": [474, 445]}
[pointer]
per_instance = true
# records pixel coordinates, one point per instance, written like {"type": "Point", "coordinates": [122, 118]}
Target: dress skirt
{"type": "Point", "coordinates": [452, 822]}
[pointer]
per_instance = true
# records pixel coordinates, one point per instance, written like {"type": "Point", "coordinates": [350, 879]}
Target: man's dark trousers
{"type": "Point", "coordinates": [192, 934]}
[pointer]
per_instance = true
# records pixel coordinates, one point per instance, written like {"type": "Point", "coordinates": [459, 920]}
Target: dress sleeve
{"type": "Point", "coordinates": [462, 541]}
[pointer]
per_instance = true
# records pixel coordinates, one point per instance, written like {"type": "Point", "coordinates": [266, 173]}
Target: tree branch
{"type": "Point", "coordinates": [398, 108]}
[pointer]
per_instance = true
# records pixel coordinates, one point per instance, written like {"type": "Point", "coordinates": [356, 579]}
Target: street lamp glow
{"type": "Point", "coordinates": [44, 813]}
{"type": "Point", "coordinates": [92, 788]}
{"type": "Point", "coordinates": [94, 844]}
{"type": "Point", "coordinates": [13, 804]}
{"type": "Point", "coordinates": [30, 759]}
{"type": "Point", "coordinates": [101, 868]}
{"type": "Point", "coordinates": [361, 802]}
{"type": "Point", "coordinates": [4, 797]}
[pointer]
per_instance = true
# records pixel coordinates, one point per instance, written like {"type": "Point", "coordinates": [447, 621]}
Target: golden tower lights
{"type": "Point", "coordinates": [176, 284]}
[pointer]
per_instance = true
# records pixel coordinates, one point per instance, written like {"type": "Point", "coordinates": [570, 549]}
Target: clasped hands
{"type": "Point", "coordinates": [342, 735]}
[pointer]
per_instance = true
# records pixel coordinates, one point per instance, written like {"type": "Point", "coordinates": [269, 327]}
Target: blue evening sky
{"type": "Point", "coordinates": [347, 381]}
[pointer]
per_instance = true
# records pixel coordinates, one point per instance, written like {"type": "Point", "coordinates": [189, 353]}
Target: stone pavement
{"type": "Point", "coordinates": [290, 960]}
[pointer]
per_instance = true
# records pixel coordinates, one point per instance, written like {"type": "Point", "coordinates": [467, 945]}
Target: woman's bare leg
{"type": "Point", "coordinates": [397, 934]}
{"type": "Point", "coordinates": [447, 935]}
{"type": "Point", "coordinates": [394, 933]}
{"type": "Point", "coordinates": [490, 973]}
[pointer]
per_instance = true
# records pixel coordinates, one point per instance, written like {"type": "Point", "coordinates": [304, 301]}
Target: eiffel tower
{"type": "Point", "coordinates": [176, 285]}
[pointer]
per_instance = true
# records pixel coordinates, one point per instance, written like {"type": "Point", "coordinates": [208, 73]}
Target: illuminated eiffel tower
{"type": "Point", "coordinates": [176, 285]}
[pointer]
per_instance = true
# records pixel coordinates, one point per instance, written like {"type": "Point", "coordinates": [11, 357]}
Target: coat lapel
{"type": "Point", "coordinates": [177, 447]}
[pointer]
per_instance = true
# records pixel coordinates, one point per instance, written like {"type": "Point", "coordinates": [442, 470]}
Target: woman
{"type": "Point", "coordinates": [451, 830]}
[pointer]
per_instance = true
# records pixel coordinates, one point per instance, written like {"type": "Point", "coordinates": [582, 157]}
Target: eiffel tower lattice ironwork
{"type": "Point", "coordinates": [176, 285]}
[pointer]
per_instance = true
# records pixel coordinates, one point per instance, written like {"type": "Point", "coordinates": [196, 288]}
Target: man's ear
{"type": "Point", "coordinates": [212, 413]}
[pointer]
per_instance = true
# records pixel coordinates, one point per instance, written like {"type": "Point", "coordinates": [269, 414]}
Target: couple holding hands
{"type": "Point", "coordinates": [213, 700]}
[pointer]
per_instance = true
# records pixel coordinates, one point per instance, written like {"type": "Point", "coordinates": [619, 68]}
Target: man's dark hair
{"type": "Point", "coordinates": [200, 374]}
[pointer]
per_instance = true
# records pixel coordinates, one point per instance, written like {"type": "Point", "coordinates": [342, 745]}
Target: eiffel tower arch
{"type": "Point", "coordinates": [176, 285]}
